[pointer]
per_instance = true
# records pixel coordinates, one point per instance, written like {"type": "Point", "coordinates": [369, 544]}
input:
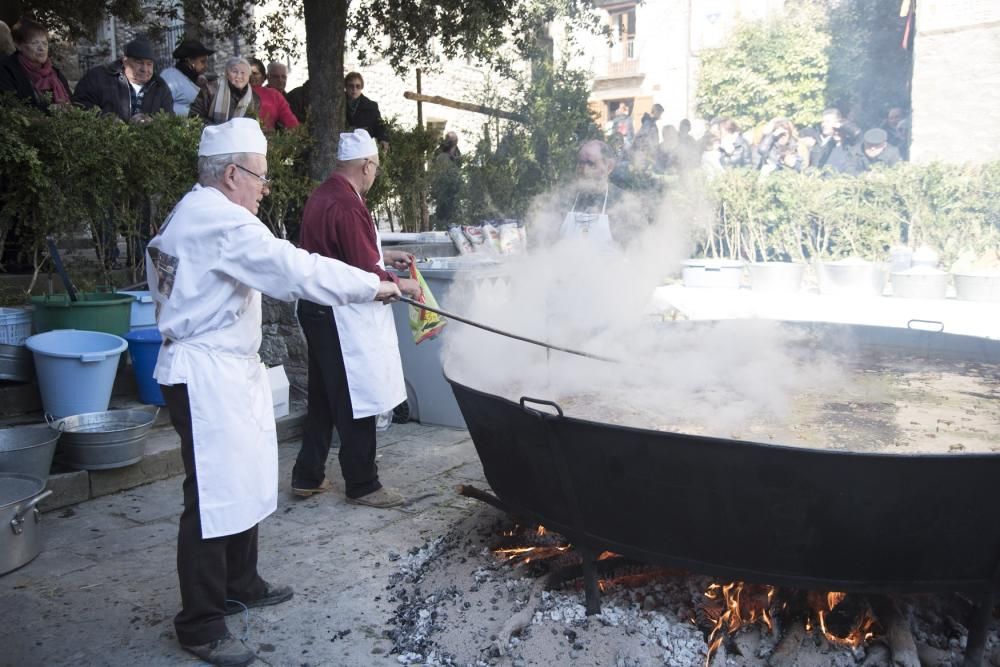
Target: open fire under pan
{"type": "Point", "coordinates": [815, 519]}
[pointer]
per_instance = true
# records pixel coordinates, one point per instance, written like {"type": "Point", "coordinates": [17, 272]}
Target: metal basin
{"type": "Point", "coordinates": [913, 284]}
{"type": "Point", "coordinates": [16, 363]}
{"type": "Point", "coordinates": [818, 519]}
{"type": "Point", "coordinates": [776, 277]}
{"type": "Point", "coordinates": [28, 450]}
{"type": "Point", "coordinates": [977, 286]}
{"type": "Point", "coordinates": [103, 440]}
{"type": "Point", "coordinates": [846, 278]}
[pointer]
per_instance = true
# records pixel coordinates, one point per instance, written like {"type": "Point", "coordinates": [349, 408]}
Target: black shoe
{"type": "Point", "coordinates": [225, 652]}
{"type": "Point", "coordinates": [272, 595]}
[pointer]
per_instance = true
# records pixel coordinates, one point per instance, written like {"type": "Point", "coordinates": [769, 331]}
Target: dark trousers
{"type": "Point", "coordinates": [210, 571]}
{"type": "Point", "coordinates": [330, 405]}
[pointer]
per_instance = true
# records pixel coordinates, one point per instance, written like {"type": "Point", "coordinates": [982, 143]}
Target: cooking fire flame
{"type": "Point", "coordinates": [730, 607]}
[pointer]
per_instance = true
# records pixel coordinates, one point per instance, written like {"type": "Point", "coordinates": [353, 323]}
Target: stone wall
{"type": "Point", "coordinates": [956, 87]}
{"type": "Point", "coordinates": [283, 342]}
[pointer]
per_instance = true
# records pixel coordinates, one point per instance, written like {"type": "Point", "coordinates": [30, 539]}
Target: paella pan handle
{"type": "Point", "coordinates": [540, 401]}
{"type": "Point", "coordinates": [17, 523]}
{"type": "Point", "coordinates": [934, 326]}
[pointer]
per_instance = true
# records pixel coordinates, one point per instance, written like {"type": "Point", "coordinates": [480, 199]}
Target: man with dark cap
{"type": "Point", "coordinates": [127, 88]}
{"type": "Point", "coordinates": [182, 79]}
{"type": "Point", "coordinates": [877, 150]}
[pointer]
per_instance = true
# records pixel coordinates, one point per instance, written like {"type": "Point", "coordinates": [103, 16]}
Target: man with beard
{"type": "Point", "coordinates": [594, 209]}
{"type": "Point", "coordinates": [192, 62]}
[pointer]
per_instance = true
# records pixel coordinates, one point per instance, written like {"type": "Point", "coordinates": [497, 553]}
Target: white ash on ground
{"type": "Point", "coordinates": [461, 605]}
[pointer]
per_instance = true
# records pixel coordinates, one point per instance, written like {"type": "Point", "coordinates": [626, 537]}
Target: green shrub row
{"type": "Point", "coordinates": [811, 216]}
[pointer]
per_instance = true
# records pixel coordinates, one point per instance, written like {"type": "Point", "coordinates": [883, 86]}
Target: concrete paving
{"type": "Point", "coordinates": [104, 589]}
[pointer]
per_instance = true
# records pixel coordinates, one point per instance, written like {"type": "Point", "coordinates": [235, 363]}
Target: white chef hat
{"type": "Point", "coordinates": [356, 145]}
{"type": "Point", "coordinates": [239, 135]}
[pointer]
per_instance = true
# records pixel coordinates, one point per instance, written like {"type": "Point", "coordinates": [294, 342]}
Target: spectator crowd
{"type": "Point", "coordinates": [837, 145]}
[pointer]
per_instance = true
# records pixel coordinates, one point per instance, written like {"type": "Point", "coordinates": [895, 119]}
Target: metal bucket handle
{"type": "Point", "coordinates": [54, 423]}
{"type": "Point", "coordinates": [540, 401]}
{"type": "Point", "coordinates": [17, 523]}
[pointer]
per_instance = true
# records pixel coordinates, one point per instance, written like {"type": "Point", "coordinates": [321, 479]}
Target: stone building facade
{"type": "Point", "coordinates": [956, 81]}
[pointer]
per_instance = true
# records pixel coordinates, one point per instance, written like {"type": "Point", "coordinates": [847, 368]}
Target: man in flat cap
{"type": "Point", "coordinates": [877, 150]}
{"type": "Point", "coordinates": [127, 88]}
{"type": "Point", "coordinates": [355, 373]}
{"type": "Point", "coordinates": [207, 268]}
{"type": "Point", "coordinates": [191, 58]}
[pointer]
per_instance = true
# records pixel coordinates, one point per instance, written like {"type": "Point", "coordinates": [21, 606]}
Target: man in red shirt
{"type": "Point", "coordinates": [355, 373]}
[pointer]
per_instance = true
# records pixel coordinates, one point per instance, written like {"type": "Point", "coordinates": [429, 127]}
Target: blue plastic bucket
{"type": "Point", "coordinates": [143, 312]}
{"type": "Point", "coordinates": [75, 369]}
{"type": "Point", "coordinates": [144, 347]}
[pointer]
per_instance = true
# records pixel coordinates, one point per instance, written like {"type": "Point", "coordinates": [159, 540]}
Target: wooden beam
{"type": "Point", "coordinates": [465, 106]}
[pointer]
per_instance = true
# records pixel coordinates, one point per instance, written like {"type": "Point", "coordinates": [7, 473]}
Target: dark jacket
{"type": "Point", "coordinates": [14, 79]}
{"type": "Point", "coordinates": [298, 101]}
{"type": "Point", "coordinates": [105, 87]}
{"type": "Point", "coordinates": [367, 117]}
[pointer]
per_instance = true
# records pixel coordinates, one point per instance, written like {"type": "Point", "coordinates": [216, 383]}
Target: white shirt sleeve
{"type": "Point", "coordinates": [252, 255]}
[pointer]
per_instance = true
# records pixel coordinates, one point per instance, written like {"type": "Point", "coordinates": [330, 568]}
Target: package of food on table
{"type": "Point", "coordinates": [423, 323]}
{"type": "Point", "coordinates": [462, 244]}
{"type": "Point", "coordinates": [510, 238]}
{"type": "Point", "coordinates": [476, 238]}
{"type": "Point", "coordinates": [492, 235]}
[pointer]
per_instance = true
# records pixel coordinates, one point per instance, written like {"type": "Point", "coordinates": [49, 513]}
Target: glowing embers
{"type": "Point", "coordinates": [523, 545]}
{"type": "Point", "coordinates": [728, 608]}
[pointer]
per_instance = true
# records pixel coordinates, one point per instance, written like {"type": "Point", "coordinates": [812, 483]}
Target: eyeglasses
{"type": "Point", "coordinates": [265, 181]}
{"type": "Point", "coordinates": [37, 43]}
{"type": "Point", "coordinates": [378, 169]}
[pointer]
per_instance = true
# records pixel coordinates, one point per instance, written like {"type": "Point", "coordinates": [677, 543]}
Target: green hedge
{"type": "Point", "coordinates": [786, 215]}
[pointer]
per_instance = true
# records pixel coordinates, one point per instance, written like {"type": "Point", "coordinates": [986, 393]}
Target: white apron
{"type": "Point", "coordinates": [592, 226]}
{"type": "Point", "coordinates": [371, 354]}
{"type": "Point", "coordinates": [232, 423]}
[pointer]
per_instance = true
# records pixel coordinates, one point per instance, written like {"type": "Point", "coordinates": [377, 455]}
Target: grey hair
{"type": "Point", "coordinates": [211, 167]}
{"type": "Point", "coordinates": [274, 64]}
{"type": "Point", "coordinates": [236, 60]}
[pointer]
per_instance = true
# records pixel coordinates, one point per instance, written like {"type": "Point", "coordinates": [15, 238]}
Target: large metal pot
{"type": "Point", "coordinates": [28, 450]}
{"type": "Point", "coordinates": [20, 537]}
{"type": "Point", "coordinates": [103, 440]}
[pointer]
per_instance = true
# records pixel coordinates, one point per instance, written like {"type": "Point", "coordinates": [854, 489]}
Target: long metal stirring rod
{"type": "Point", "coordinates": [458, 318]}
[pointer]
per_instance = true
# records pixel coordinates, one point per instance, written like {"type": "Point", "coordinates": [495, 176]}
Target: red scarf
{"type": "Point", "coordinates": [44, 79]}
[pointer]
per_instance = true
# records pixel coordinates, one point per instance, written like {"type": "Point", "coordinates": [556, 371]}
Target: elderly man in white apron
{"type": "Point", "coordinates": [355, 371]}
{"type": "Point", "coordinates": [206, 269]}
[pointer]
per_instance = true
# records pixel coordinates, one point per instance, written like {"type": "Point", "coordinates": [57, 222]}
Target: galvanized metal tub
{"type": "Point", "coordinates": [103, 440]}
{"type": "Point", "coordinates": [983, 286]}
{"type": "Point", "coordinates": [851, 278]}
{"type": "Point", "coordinates": [919, 284]}
{"type": "Point", "coordinates": [28, 450]}
{"type": "Point", "coordinates": [783, 277]}
{"type": "Point", "coordinates": [16, 363]}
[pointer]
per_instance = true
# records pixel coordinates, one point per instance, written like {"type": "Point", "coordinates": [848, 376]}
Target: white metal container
{"type": "Point", "coordinates": [726, 273]}
{"type": "Point", "coordinates": [920, 283]}
{"type": "Point", "coordinates": [979, 286]}
{"type": "Point", "coordinates": [15, 326]}
{"type": "Point", "coordinates": [851, 278]}
{"type": "Point", "coordinates": [776, 277]}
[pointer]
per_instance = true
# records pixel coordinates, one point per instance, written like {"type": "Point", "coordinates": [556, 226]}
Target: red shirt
{"type": "Point", "coordinates": [336, 223]}
{"type": "Point", "coordinates": [274, 109]}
